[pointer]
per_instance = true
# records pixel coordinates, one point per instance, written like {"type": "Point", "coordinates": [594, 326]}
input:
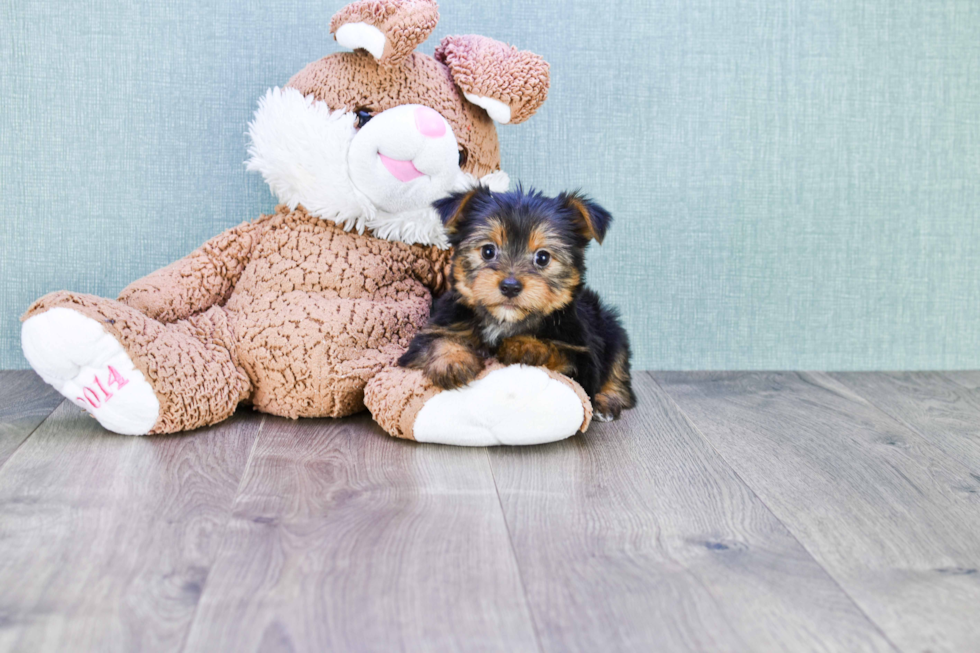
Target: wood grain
{"type": "Point", "coordinates": [344, 539]}
{"type": "Point", "coordinates": [25, 402]}
{"type": "Point", "coordinates": [106, 541]}
{"type": "Point", "coordinates": [943, 412]}
{"type": "Point", "coordinates": [892, 518]}
{"type": "Point", "coordinates": [969, 379]}
{"type": "Point", "coordinates": [639, 537]}
{"type": "Point", "coordinates": [759, 512]}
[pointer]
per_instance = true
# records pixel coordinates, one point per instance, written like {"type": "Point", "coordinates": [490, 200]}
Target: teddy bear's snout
{"type": "Point", "coordinates": [404, 158]}
{"type": "Point", "coordinates": [429, 122]}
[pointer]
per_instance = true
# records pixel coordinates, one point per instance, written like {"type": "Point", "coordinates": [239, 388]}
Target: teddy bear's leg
{"type": "Point", "coordinates": [135, 375]}
{"type": "Point", "coordinates": [515, 405]}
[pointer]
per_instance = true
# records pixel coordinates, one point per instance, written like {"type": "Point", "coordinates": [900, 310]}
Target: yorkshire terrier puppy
{"type": "Point", "coordinates": [518, 294]}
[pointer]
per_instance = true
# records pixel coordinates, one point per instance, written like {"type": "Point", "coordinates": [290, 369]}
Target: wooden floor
{"type": "Point", "coordinates": [729, 512]}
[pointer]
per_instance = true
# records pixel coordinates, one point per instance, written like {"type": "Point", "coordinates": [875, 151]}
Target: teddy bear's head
{"type": "Point", "coordinates": [370, 138]}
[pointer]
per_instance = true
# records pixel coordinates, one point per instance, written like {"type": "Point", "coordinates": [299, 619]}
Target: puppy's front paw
{"type": "Point", "coordinates": [527, 350]}
{"type": "Point", "coordinates": [609, 406]}
{"type": "Point", "coordinates": [452, 364]}
{"type": "Point", "coordinates": [616, 394]}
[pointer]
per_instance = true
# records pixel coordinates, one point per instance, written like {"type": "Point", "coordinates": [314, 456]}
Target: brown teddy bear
{"type": "Point", "coordinates": [303, 313]}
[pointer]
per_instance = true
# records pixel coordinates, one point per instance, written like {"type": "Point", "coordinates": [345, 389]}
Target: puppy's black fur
{"type": "Point", "coordinates": [518, 294]}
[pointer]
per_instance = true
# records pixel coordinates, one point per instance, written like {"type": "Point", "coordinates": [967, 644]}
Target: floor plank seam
{"type": "Point", "coordinates": [224, 529]}
{"type": "Point", "coordinates": [955, 382]}
{"type": "Point", "coordinates": [776, 517]}
{"type": "Point", "coordinates": [30, 435]}
{"type": "Point", "coordinates": [895, 418]}
{"type": "Point", "coordinates": [924, 440]}
{"type": "Point", "coordinates": [513, 553]}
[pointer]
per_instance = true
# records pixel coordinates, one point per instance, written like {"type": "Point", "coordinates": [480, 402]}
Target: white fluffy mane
{"type": "Point", "coordinates": [300, 147]}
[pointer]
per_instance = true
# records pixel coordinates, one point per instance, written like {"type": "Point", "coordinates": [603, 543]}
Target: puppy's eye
{"type": "Point", "coordinates": [363, 117]}
{"type": "Point", "coordinates": [542, 258]}
{"type": "Point", "coordinates": [463, 156]}
{"type": "Point", "coordinates": [488, 252]}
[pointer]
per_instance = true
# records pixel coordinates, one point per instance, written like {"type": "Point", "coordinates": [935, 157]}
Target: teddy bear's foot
{"type": "Point", "coordinates": [516, 405]}
{"type": "Point", "coordinates": [73, 353]}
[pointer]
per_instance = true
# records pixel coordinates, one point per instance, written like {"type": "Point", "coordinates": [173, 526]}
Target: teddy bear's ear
{"type": "Point", "coordinates": [389, 29]}
{"type": "Point", "coordinates": [510, 84]}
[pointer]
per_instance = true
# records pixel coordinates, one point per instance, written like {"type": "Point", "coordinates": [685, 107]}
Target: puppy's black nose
{"type": "Point", "coordinates": [511, 287]}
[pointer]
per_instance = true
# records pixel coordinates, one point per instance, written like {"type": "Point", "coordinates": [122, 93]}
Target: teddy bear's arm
{"type": "Point", "coordinates": [201, 279]}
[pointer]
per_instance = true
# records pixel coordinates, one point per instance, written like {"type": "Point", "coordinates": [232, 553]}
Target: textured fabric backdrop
{"type": "Point", "coordinates": [796, 183]}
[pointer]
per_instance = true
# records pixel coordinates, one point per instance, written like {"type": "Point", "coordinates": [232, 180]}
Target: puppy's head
{"type": "Point", "coordinates": [520, 254]}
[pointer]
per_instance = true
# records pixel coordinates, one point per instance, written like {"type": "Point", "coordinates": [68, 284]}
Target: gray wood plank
{"type": "Point", "coordinates": [892, 518]}
{"type": "Point", "coordinates": [969, 379]}
{"type": "Point", "coordinates": [25, 402]}
{"type": "Point", "coordinates": [966, 379]}
{"type": "Point", "coordinates": [344, 539]}
{"type": "Point", "coordinates": [107, 540]}
{"type": "Point", "coordinates": [637, 536]}
{"type": "Point", "coordinates": [943, 412]}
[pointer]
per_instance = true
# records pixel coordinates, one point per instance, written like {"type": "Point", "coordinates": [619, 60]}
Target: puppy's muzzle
{"type": "Point", "coordinates": [511, 287]}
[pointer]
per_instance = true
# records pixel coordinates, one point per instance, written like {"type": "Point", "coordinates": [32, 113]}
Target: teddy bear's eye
{"type": "Point", "coordinates": [463, 156]}
{"type": "Point", "coordinates": [363, 117]}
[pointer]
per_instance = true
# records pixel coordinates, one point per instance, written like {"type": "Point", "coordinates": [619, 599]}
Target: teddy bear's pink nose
{"type": "Point", "coordinates": [429, 122]}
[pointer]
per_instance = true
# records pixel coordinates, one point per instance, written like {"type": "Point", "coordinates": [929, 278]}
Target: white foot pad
{"type": "Point", "coordinates": [74, 354]}
{"type": "Point", "coordinates": [516, 405]}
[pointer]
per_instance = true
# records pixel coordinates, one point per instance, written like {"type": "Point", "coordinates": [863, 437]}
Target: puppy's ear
{"type": "Point", "coordinates": [509, 84]}
{"type": "Point", "coordinates": [593, 220]}
{"type": "Point", "coordinates": [456, 207]}
{"type": "Point", "coordinates": [389, 29]}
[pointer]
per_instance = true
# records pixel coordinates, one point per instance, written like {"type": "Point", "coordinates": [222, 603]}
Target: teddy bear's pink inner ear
{"type": "Point", "coordinates": [389, 29]}
{"type": "Point", "coordinates": [510, 84]}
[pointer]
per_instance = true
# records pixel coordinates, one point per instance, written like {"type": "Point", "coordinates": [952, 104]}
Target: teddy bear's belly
{"type": "Point", "coordinates": [310, 354]}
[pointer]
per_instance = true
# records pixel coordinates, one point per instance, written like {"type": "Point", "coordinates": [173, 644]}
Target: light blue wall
{"type": "Point", "coordinates": [796, 183]}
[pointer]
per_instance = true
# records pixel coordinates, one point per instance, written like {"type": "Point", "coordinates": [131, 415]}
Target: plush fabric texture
{"type": "Point", "coordinates": [309, 154]}
{"type": "Point", "coordinates": [75, 355]}
{"type": "Point", "coordinates": [190, 364]}
{"type": "Point", "coordinates": [310, 313]}
{"type": "Point", "coordinates": [394, 403]}
{"type": "Point", "coordinates": [511, 406]}
{"type": "Point", "coordinates": [300, 146]}
{"type": "Point", "coordinates": [297, 311]}
{"type": "Point", "coordinates": [405, 24]}
{"type": "Point", "coordinates": [353, 79]}
{"type": "Point", "coordinates": [395, 396]}
{"type": "Point", "coordinates": [484, 67]}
